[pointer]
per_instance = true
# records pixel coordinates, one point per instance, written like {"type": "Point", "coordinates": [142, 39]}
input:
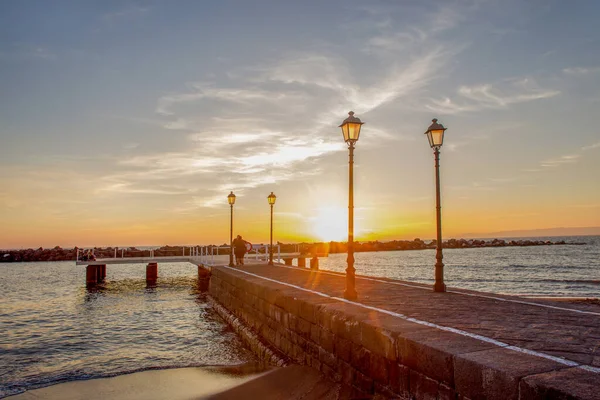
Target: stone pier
{"type": "Point", "coordinates": [400, 339]}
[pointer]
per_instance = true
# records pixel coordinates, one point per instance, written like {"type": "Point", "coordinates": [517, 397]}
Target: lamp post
{"type": "Point", "coordinates": [351, 130]}
{"type": "Point", "coordinates": [435, 135]}
{"type": "Point", "coordinates": [271, 198]}
{"type": "Point", "coordinates": [231, 201]}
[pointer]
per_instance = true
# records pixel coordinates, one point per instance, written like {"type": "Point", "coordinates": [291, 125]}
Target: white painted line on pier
{"type": "Point", "coordinates": [486, 339]}
{"type": "Point", "coordinates": [451, 291]}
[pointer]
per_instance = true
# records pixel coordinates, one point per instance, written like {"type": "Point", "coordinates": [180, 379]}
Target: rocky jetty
{"type": "Point", "coordinates": [59, 254]}
{"type": "Point", "coordinates": [418, 244]}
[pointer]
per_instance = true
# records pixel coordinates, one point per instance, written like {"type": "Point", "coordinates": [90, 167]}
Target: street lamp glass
{"type": "Point", "coordinates": [351, 128]}
{"type": "Point", "coordinates": [435, 134]}
{"type": "Point", "coordinates": [271, 198]}
{"type": "Point", "coordinates": [231, 198]}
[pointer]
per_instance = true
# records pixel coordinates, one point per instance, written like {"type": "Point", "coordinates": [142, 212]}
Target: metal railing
{"type": "Point", "coordinates": [207, 255]}
{"type": "Point", "coordinates": [87, 254]}
{"type": "Point", "coordinates": [219, 255]}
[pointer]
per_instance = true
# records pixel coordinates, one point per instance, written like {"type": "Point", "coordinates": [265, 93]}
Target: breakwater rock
{"type": "Point", "coordinates": [418, 244]}
{"type": "Point", "coordinates": [59, 254]}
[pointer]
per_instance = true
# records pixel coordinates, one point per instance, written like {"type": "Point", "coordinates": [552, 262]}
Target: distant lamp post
{"type": "Point", "coordinates": [435, 135]}
{"type": "Point", "coordinates": [351, 130]}
{"type": "Point", "coordinates": [231, 201]}
{"type": "Point", "coordinates": [271, 198]}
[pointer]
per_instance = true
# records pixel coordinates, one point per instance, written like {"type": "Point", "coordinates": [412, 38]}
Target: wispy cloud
{"type": "Point", "coordinates": [591, 146]}
{"type": "Point", "coordinates": [492, 96]}
{"type": "Point", "coordinates": [578, 71]}
{"type": "Point", "coordinates": [126, 13]}
{"type": "Point", "coordinates": [555, 162]}
{"type": "Point", "coordinates": [27, 51]}
{"type": "Point", "coordinates": [559, 161]}
{"type": "Point", "coordinates": [261, 124]}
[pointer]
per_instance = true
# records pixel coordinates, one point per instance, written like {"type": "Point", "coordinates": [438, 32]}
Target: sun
{"type": "Point", "coordinates": [331, 224]}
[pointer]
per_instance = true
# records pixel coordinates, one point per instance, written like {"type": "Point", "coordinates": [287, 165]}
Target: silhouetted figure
{"type": "Point", "coordinates": [240, 247]}
{"type": "Point", "coordinates": [88, 256]}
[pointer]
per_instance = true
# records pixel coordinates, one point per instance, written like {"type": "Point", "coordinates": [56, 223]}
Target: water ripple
{"type": "Point", "coordinates": [55, 330]}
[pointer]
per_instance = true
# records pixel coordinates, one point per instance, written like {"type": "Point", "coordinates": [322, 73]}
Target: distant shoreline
{"type": "Point", "coordinates": [57, 253]}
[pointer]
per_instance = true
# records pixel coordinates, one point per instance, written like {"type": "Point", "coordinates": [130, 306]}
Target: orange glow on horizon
{"type": "Point", "coordinates": [330, 224]}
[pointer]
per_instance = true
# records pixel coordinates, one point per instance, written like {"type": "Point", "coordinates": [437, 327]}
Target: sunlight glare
{"type": "Point", "coordinates": [331, 223]}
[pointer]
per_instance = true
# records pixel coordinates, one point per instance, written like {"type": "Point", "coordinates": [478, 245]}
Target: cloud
{"type": "Point", "coordinates": [126, 13]}
{"type": "Point", "coordinates": [27, 51]}
{"type": "Point", "coordinates": [276, 120]}
{"type": "Point", "coordinates": [579, 71]}
{"type": "Point", "coordinates": [562, 160]}
{"type": "Point", "coordinates": [591, 146]}
{"type": "Point", "coordinates": [492, 96]}
{"type": "Point", "coordinates": [555, 162]}
{"type": "Point", "coordinates": [131, 145]}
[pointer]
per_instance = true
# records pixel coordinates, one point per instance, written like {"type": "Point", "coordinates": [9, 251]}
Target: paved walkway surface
{"type": "Point", "coordinates": [566, 331]}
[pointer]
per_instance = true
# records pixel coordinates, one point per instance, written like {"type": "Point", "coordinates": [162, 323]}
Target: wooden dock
{"type": "Point", "coordinates": [96, 270]}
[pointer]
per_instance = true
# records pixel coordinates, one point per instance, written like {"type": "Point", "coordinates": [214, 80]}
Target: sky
{"type": "Point", "coordinates": [128, 123]}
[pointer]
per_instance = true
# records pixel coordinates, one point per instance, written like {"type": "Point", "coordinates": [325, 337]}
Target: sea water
{"type": "Point", "coordinates": [52, 329]}
{"type": "Point", "coordinates": [557, 270]}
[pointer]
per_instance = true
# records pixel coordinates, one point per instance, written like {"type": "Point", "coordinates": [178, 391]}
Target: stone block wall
{"type": "Point", "coordinates": [379, 354]}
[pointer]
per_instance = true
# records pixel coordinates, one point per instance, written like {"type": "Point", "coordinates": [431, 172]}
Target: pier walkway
{"type": "Point", "coordinates": [475, 344]}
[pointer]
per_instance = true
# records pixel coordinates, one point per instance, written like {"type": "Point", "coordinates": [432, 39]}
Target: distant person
{"type": "Point", "coordinates": [240, 247]}
{"type": "Point", "coordinates": [88, 256]}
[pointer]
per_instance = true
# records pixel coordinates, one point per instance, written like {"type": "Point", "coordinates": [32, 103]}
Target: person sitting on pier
{"type": "Point", "coordinates": [239, 249]}
{"type": "Point", "coordinates": [88, 256]}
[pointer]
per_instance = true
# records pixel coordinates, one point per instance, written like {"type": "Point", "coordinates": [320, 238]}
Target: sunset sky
{"type": "Point", "coordinates": [128, 123]}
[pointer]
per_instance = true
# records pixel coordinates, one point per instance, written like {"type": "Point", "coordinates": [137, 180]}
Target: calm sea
{"type": "Point", "coordinates": [54, 330]}
{"type": "Point", "coordinates": [559, 270]}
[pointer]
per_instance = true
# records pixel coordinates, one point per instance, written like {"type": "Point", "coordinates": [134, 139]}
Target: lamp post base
{"type": "Point", "coordinates": [350, 294]}
{"type": "Point", "coordinates": [439, 287]}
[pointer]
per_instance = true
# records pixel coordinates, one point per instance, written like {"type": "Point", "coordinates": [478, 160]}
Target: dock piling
{"type": "Point", "coordinates": [151, 272]}
{"type": "Point", "coordinates": [91, 275]}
